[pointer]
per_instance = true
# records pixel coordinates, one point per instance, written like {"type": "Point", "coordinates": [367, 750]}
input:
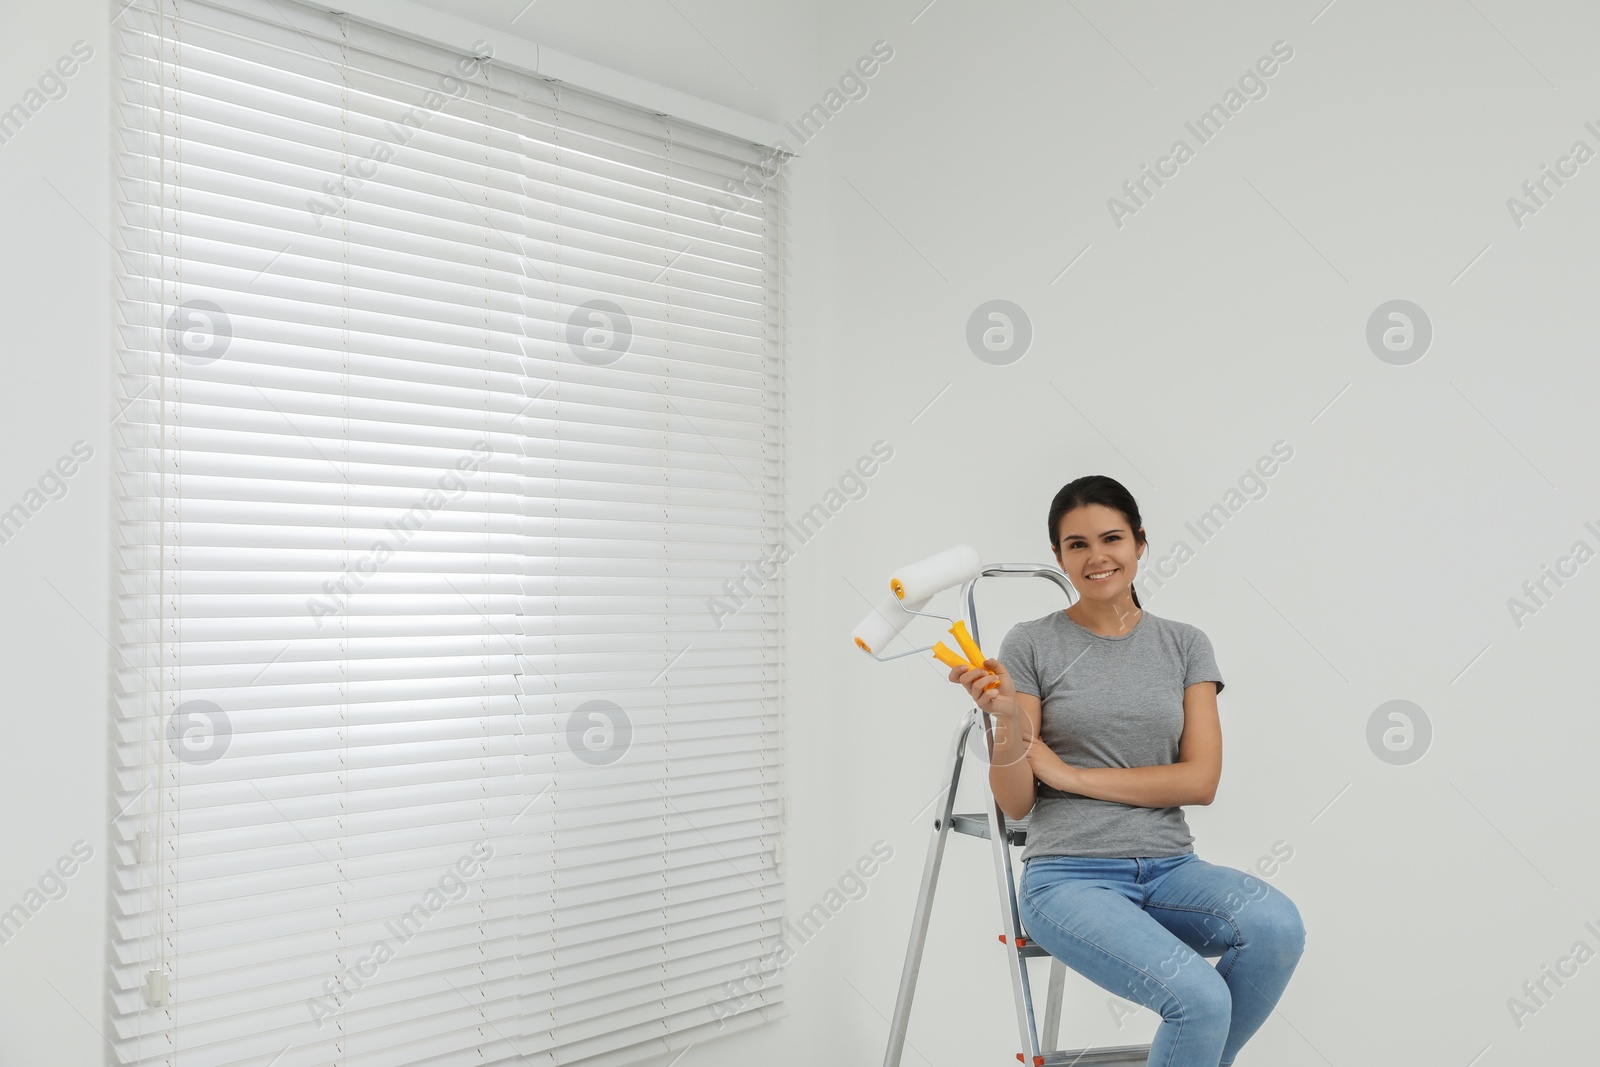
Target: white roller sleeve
{"type": "Point", "coordinates": [888, 619]}
{"type": "Point", "coordinates": [922, 579]}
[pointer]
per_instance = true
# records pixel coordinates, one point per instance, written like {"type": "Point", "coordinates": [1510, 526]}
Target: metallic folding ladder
{"type": "Point", "coordinates": [1003, 834]}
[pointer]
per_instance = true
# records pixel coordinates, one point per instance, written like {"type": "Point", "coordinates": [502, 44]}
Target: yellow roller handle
{"type": "Point", "coordinates": [946, 655]}
{"type": "Point", "coordinates": [968, 645]}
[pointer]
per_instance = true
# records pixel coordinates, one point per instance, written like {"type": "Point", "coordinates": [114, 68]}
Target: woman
{"type": "Point", "coordinates": [1105, 725]}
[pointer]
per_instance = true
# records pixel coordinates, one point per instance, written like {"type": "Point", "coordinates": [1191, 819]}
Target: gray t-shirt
{"type": "Point", "coordinates": [1107, 702]}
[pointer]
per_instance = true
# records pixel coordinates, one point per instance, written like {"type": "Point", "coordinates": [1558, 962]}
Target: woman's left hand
{"type": "Point", "coordinates": [1048, 767]}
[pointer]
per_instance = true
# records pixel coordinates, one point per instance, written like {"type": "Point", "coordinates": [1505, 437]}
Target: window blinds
{"type": "Point", "coordinates": [450, 414]}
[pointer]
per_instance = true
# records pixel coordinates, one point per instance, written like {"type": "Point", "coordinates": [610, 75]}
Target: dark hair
{"type": "Point", "coordinates": [1095, 489]}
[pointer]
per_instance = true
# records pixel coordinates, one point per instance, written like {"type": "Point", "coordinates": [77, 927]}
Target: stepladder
{"type": "Point", "coordinates": [1003, 834]}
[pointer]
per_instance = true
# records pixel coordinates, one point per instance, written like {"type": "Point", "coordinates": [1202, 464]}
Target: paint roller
{"type": "Point", "coordinates": [884, 623]}
{"type": "Point", "coordinates": [911, 587]}
{"type": "Point", "coordinates": [922, 579]}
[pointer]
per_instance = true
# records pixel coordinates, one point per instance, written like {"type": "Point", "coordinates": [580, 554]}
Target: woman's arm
{"type": "Point", "coordinates": [1191, 780]}
{"type": "Point", "coordinates": [1164, 785]}
{"type": "Point", "coordinates": [1010, 772]}
{"type": "Point", "coordinates": [1016, 723]}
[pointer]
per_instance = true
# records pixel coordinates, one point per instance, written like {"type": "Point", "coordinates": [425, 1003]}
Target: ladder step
{"type": "Point", "coordinates": [1125, 1055]}
{"type": "Point", "coordinates": [1024, 947]}
{"type": "Point", "coordinates": [977, 825]}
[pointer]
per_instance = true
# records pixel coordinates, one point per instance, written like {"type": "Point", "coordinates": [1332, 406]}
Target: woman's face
{"type": "Point", "coordinates": [1096, 539]}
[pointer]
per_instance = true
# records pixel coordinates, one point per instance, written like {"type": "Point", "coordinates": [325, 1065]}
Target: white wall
{"type": "Point", "coordinates": [55, 302]}
{"type": "Point", "coordinates": [1227, 314]}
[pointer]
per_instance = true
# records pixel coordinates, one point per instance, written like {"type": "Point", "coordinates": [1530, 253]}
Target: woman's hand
{"type": "Point", "coordinates": [999, 701]}
{"type": "Point", "coordinates": [1050, 768]}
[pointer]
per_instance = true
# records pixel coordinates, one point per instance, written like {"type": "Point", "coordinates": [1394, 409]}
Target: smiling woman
{"type": "Point", "coordinates": [1106, 727]}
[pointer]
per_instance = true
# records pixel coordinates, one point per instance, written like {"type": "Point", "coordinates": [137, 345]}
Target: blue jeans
{"type": "Point", "coordinates": [1141, 927]}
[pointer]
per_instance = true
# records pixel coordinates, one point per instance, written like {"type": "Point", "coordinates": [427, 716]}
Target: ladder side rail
{"type": "Point", "coordinates": [1005, 879]}
{"type": "Point", "coordinates": [1010, 921]}
{"type": "Point", "coordinates": [1052, 1004]}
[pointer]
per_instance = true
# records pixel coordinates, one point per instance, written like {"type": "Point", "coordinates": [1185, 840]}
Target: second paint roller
{"type": "Point", "coordinates": [884, 623]}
